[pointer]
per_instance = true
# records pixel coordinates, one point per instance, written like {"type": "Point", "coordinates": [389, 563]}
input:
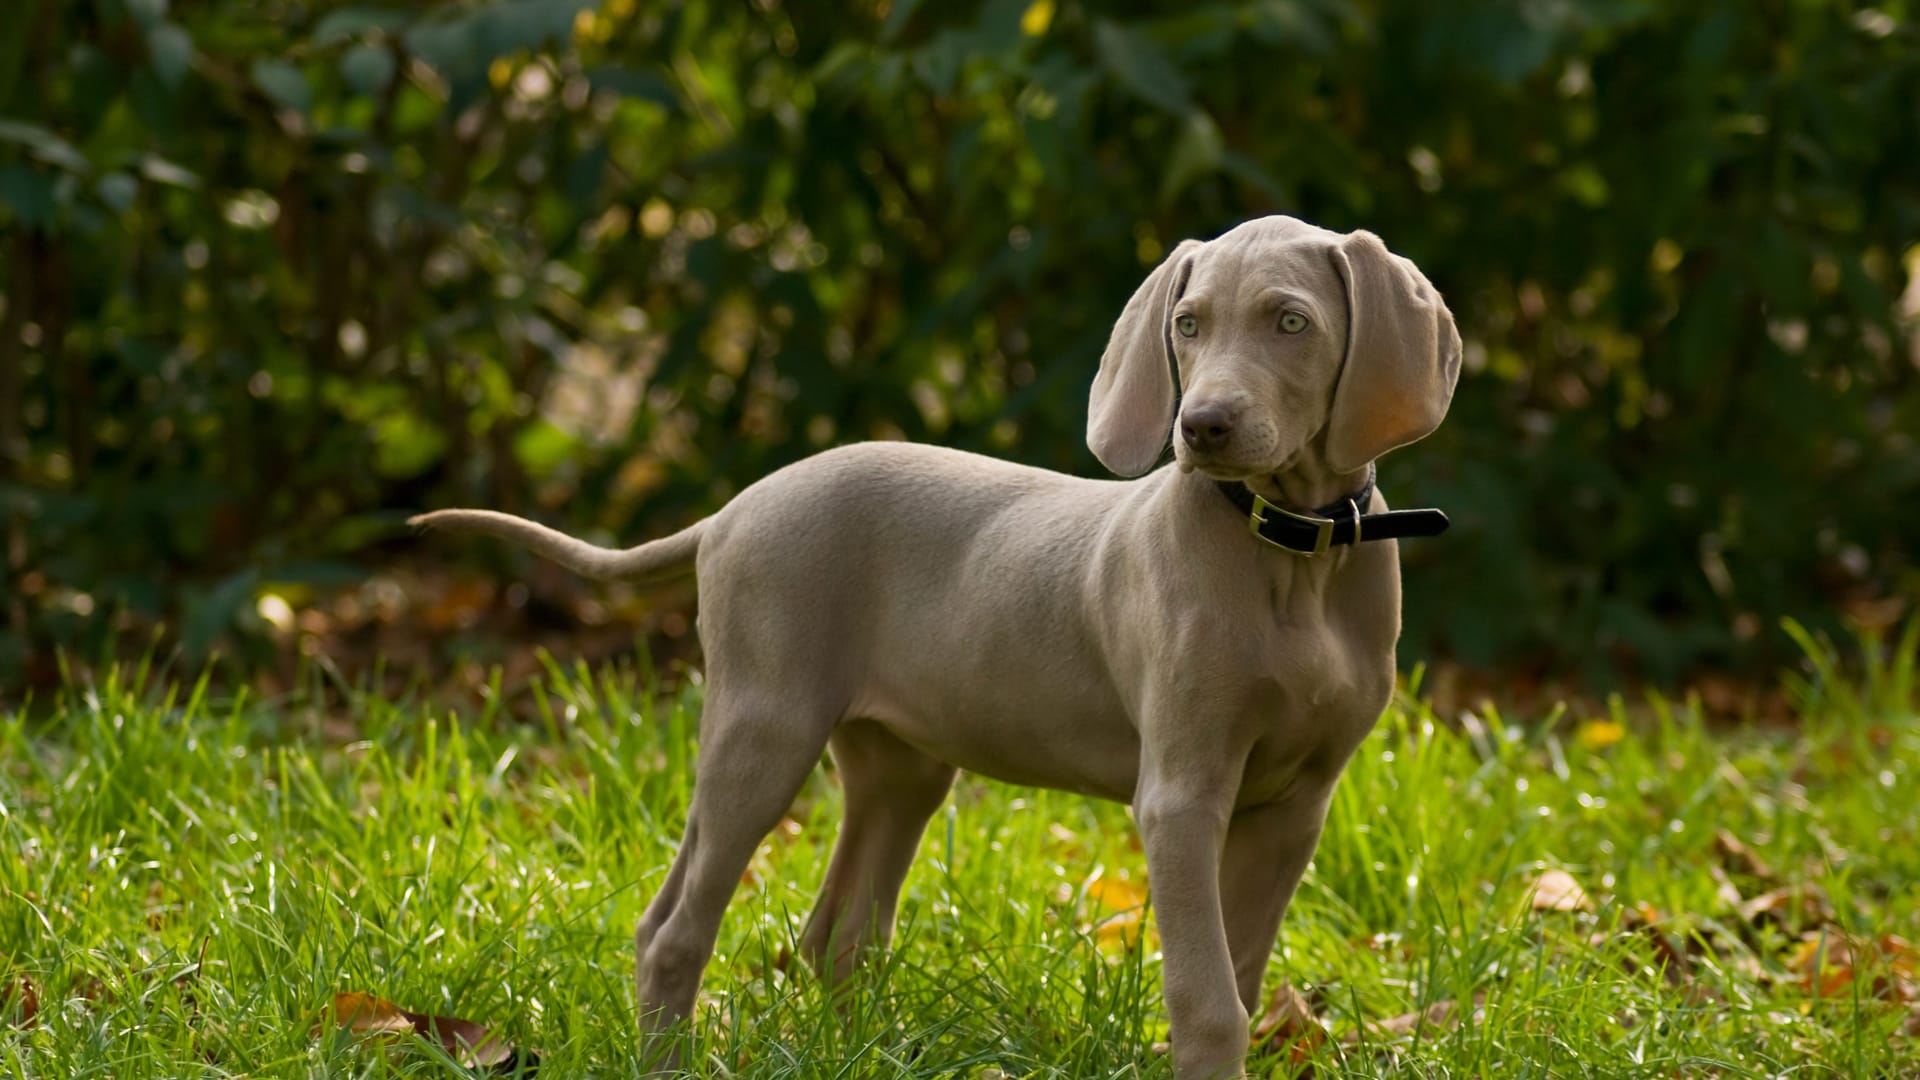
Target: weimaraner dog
{"type": "Point", "coordinates": [1209, 642]}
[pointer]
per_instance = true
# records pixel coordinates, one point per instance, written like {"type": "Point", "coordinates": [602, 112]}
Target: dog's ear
{"type": "Point", "coordinates": [1130, 412]}
{"type": "Point", "coordinates": [1403, 355]}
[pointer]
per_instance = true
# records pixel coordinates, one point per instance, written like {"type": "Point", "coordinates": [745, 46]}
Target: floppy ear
{"type": "Point", "coordinates": [1130, 412]}
{"type": "Point", "coordinates": [1403, 355]}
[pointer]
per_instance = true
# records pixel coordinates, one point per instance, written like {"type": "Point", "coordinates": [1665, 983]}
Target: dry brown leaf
{"type": "Point", "coordinates": [467, 1042]}
{"type": "Point", "coordinates": [460, 606]}
{"type": "Point", "coordinates": [1740, 857]}
{"type": "Point", "coordinates": [365, 1014]}
{"type": "Point", "coordinates": [19, 995]}
{"type": "Point", "coordinates": [1900, 954]}
{"type": "Point", "coordinates": [1117, 909]}
{"type": "Point", "coordinates": [471, 1044]}
{"type": "Point", "coordinates": [1724, 888]}
{"type": "Point", "coordinates": [1556, 890]}
{"type": "Point", "coordinates": [1437, 1015]}
{"type": "Point", "coordinates": [1115, 894]}
{"type": "Point", "coordinates": [1791, 907]}
{"type": "Point", "coordinates": [1290, 1024]}
{"type": "Point", "coordinates": [1827, 962]}
{"type": "Point", "coordinates": [1644, 919]}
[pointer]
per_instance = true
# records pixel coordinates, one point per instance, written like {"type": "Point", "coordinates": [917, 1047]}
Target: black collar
{"type": "Point", "coordinates": [1340, 522]}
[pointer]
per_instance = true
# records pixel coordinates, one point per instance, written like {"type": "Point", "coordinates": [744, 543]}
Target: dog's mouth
{"type": "Point", "coordinates": [1228, 472]}
{"type": "Point", "coordinates": [1246, 459]}
{"type": "Point", "coordinates": [1224, 473]}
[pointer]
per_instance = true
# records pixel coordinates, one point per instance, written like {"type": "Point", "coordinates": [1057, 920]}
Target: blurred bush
{"type": "Point", "coordinates": [277, 273]}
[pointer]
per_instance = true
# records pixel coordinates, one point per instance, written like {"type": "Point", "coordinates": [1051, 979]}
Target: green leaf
{"type": "Point", "coordinates": [170, 49]}
{"type": "Point", "coordinates": [1139, 65]}
{"type": "Point", "coordinates": [367, 68]}
{"type": "Point", "coordinates": [160, 170]}
{"type": "Point", "coordinates": [147, 13]}
{"type": "Point", "coordinates": [284, 84]}
{"type": "Point", "coordinates": [897, 16]}
{"type": "Point", "coordinates": [1196, 152]}
{"type": "Point", "coordinates": [938, 64]}
{"type": "Point", "coordinates": [28, 193]}
{"type": "Point", "coordinates": [627, 82]}
{"type": "Point", "coordinates": [451, 47]}
{"type": "Point", "coordinates": [354, 22]}
{"type": "Point", "coordinates": [44, 145]}
{"type": "Point", "coordinates": [1289, 23]}
{"type": "Point", "coordinates": [118, 190]}
{"type": "Point", "coordinates": [526, 24]}
{"type": "Point", "coordinates": [213, 613]}
{"type": "Point", "coordinates": [1585, 183]}
{"type": "Point", "coordinates": [585, 173]}
{"type": "Point", "coordinates": [1250, 173]}
{"type": "Point", "coordinates": [543, 447]}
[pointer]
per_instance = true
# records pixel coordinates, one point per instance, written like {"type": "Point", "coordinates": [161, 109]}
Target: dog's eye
{"type": "Point", "coordinates": [1293, 322]}
{"type": "Point", "coordinates": [1187, 325]}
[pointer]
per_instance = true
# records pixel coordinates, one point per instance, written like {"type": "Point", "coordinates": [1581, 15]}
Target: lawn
{"type": "Point", "coordinates": [190, 880]}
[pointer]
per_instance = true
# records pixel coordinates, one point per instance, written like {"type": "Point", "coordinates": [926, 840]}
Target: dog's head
{"type": "Point", "coordinates": [1288, 341]}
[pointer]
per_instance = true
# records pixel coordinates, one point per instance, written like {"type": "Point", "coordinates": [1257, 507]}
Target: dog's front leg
{"type": "Point", "coordinates": [1183, 824]}
{"type": "Point", "coordinates": [1268, 848]}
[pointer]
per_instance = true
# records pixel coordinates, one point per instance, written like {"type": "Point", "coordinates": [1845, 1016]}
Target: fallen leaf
{"type": "Point", "coordinates": [460, 606]}
{"type": "Point", "coordinates": [1827, 962]}
{"type": "Point", "coordinates": [1556, 890]}
{"type": "Point", "coordinates": [1741, 857]}
{"type": "Point", "coordinates": [1117, 909]}
{"type": "Point", "coordinates": [1439, 1014]}
{"type": "Point", "coordinates": [1901, 955]}
{"type": "Point", "coordinates": [471, 1044]}
{"type": "Point", "coordinates": [1725, 889]}
{"type": "Point", "coordinates": [1290, 1024]}
{"type": "Point", "coordinates": [467, 1042]}
{"type": "Point", "coordinates": [19, 996]}
{"type": "Point", "coordinates": [1599, 734]}
{"type": "Point", "coordinates": [1116, 894]}
{"type": "Point", "coordinates": [1644, 919]}
{"type": "Point", "coordinates": [365, 1014]}
{"type": "Point", "coordinates": [1792, 907]}
{"type": "Point", "coordinates": [1123, 929]}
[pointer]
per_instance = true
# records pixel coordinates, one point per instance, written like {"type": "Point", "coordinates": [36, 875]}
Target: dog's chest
{"type": "Point", "coordinates": [1327, 684]}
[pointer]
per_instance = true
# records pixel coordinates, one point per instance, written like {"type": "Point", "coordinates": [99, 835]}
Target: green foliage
{"type": "Point", "coordinates": [278, 274]}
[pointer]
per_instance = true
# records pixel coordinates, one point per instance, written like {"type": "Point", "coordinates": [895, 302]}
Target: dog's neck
{"type": "Point", "coordinates": [1307, 486]}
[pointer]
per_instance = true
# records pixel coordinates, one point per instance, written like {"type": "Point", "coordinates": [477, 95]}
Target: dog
{"type": "Point", "coordinates": [1208, 641]}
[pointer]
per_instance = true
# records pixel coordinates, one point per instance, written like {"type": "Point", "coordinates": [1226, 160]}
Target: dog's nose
{"type": "Point", "coordinates": [1206, 426]}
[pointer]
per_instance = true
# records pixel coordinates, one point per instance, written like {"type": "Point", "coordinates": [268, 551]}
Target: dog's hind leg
{"type": "Point", "coordinates": [755, 753]}
{"type": "Point", "coordinates": [891, 790]}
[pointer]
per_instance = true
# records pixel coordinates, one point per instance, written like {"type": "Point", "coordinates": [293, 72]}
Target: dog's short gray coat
{"type": "Point", "coordinates": [920, 610]}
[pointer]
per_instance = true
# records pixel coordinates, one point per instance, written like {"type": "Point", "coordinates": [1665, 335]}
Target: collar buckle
{"type": "Point", "coordinates": [1323, 536]}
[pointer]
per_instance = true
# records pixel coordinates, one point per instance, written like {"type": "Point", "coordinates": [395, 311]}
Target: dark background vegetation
{"type": "Point", "coordinates": [276, 274]}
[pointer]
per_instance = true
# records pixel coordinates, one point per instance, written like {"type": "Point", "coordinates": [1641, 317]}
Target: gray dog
{"type": "Point", "coordinates": [1209, 643]}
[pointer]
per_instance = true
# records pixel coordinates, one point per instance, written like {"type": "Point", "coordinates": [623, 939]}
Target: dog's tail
{"type": "Point", "coordinates": [656, 560]}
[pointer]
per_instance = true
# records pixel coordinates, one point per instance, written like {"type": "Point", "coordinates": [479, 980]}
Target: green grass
{"type": "Point", "coordinates": [187, 882]}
